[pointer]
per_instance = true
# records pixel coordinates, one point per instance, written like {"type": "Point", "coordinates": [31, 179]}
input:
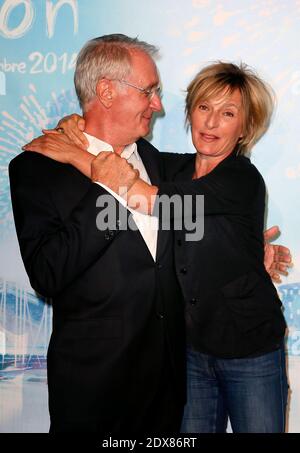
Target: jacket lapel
{"type": "Point", "coordinates": [150, 160]}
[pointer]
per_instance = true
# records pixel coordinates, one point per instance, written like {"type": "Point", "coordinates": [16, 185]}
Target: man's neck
{"type": "Point", "coordinates": [105, 132]}
{"type": "Point", "coordinates": [101, 135]}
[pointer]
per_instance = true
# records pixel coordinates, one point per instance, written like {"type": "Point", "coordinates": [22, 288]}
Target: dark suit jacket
{"type": "Point", "coordinates": [232, 308]}
{"type": "Point", "coordinates": [117, 315]}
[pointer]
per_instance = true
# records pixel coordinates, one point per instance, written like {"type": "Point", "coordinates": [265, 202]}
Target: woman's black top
{"type": "Point", "coordinates": [232, 307]}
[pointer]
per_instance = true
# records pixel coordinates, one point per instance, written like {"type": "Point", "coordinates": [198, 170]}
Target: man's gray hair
{"type": "Point", "coordinates": [105, 57]}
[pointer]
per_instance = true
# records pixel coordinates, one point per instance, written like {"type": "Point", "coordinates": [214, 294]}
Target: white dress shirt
{"type": "Point", "coordinates": [147, 225]}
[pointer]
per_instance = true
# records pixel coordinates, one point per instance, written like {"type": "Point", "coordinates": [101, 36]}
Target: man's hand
{"type": "Point", "coordinates": [277, 257]}
{"type": "Point", "coordinates": [72, 126]}
{"type": "Point", "coordinates": [114, 172]}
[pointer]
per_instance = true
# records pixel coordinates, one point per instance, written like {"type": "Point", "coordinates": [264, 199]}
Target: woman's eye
{"type": "Point", "coordinates": [230, 114]}
{"type": "Point", "coordinates": [202, 107]}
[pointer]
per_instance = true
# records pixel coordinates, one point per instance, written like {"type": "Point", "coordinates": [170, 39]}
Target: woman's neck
{"type": "Point", "coordinates": [205, 164]}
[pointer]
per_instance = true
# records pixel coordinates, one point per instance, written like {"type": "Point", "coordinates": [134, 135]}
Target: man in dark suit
{"type": "Point", "coordinates": [116, 354]}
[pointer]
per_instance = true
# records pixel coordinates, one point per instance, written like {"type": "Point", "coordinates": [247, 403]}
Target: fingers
{"type": "Point", "coordinates": [271, 233]}
{"type": "Point", "coordinates": [44, 141]}
{"type": "Point", "coordinates": [50, 131]}
{"type": "Point", "coordinates": [103, 155]}
{"type": "Point", "coordinates": [281, 254]}
{"type": "Point", "coordinates": [277, 270]}
{"type": "Point", "coordinates": [78, 138]}
{"type": "Point", "coordinates": [34, 144]}
{"type": "Point", "coordinates": [73, 118]}
{"type": "Point", "coordinates": [277, 261]}
{"type": "Point", "coordinates": [73, 126]}
{"type": "Point", "coordinates": [275, 277]}
{"type": "Point", "coordinates": [67, 138]}
{"type": "Point", "coordinates": [282, 250]}
{"type": "Point", "coordinates": [113, 158]}
{"type": "Point", "coordinates": [113, 171]}
{"type": "Point", "coordinates": [280, 270]}
{"type": "Point", "coordinates": [103, 162]}
{"type": "Point", "coordinates": [30, 147]}
{"type": "Point", "coordinates": [81, 124]}
{"type": "Point", "coordinates": [283, 258]}
{"type": "Point", "coordinates": [281, 267]}
{"type": "Point", "coordinates": [54, 146]}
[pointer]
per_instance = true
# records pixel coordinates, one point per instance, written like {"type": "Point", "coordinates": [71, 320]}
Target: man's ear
{"type": "Point", "coordinates": [105, 92]}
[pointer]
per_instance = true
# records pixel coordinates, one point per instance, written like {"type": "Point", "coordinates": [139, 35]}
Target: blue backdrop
{"type": "Point", "coordinates": [39, 42]}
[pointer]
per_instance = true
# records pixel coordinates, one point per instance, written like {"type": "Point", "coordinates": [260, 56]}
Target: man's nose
{"type": "Point", "coordinates": [156, 104]}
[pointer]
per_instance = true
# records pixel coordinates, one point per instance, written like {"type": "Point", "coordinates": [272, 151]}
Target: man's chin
{"type": "Point", "coordinates": [145, 130]}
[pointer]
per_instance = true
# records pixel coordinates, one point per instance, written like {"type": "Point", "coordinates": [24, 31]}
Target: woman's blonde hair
{"type": "Point", "coordinates": [258, 98]}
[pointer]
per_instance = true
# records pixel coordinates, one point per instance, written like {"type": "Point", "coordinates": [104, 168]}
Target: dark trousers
{"type": "Point", "coordinates": [165, 414]}
{"type": "Point", "coordinates": [162, 416]}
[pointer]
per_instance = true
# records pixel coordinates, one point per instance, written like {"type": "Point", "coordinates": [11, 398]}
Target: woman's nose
{"type": "Point", "coordinates": [212, 120]}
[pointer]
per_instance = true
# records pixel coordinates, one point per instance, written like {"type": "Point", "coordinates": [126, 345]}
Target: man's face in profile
{"type": "Point", "coordinates": [134, 108]}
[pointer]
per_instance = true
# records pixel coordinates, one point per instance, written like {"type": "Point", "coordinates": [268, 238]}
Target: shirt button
{"type": "Point", "coordinates": [159, 266]}
{"type": "Point", "coordinates": [183, 270]}
{"type": "Point", "coordinates": [193, 301]}
{"type": "Point", "coordinates": [160, 316]}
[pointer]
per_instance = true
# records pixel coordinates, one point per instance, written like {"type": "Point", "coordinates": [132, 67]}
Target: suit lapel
{"type": "Point", "coordinates": [150, 160]}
